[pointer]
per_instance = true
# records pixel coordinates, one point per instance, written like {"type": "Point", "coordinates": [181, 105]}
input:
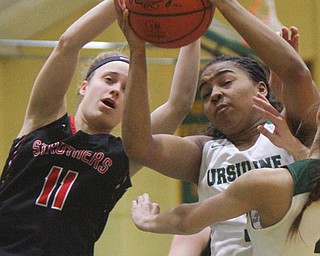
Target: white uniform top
{"type": "Point", "coordinates": [221, 164]}
{"type": "Point", "coordinates": [273, 240]}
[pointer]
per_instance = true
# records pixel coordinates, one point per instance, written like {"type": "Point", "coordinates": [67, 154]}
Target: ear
{"type": "Point", "coordinates": [262, 88]}
{"type": "Point", "coordinates": [83, 87]}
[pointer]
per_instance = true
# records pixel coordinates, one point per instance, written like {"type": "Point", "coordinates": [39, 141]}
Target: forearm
{"type": "Point", "coordinates": [182, 93]}
{"type": "Point", "coordinates": [185, 79]}
{"type": "Point", "coordinates": [173, 221]}
{"type": "Point", "coordinates": [271, 48]}
{"type": "Point", "coordinates": [191, 218]}
{"type": "Point", "coordinates": [59, 69]}
{"type": "Point", "coordinates": [90, 25]}
{"type": "Point", "coordinates": [136, 122]}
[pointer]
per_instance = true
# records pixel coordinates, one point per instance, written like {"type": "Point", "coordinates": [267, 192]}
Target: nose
{"type": "Point", "coordinates": [115, 90]}
{"type": "Point", "coordinates": [216, 95]}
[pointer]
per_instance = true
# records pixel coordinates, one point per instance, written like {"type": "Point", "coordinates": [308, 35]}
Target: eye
{"type": "Point", "coordinates": [108, 79]}
{"type": "Point", "coordinates": [205, 92]}
{"type": "Point", "coordinates": [226, 83]}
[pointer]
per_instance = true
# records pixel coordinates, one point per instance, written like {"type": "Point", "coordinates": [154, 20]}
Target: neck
{"type": "Point", "coordinates": [247, 138]}
{"type": "Point", "coordinates": [82, 124]}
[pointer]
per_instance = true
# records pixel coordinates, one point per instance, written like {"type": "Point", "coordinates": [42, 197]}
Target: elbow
{"type": "Point", "coordinates": [184, 229]}
{"type": "Point", "coordinates": [184, 107]}
{"type": "Point", "coordinates": [187, 228]}
{"type": "Point", "coordinates": [67, 43]}
{"type": "Point", "coordinates": [184, 223]}
{"type": "Point", "coordinates": [136, 154]}
{"type": "Point", "coordinates": [187, 106]}
{"type": "Point", "coordinates": [136, 150]}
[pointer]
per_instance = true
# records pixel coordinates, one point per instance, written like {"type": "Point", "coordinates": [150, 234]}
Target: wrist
{"type": "Point", "coordinates": [138, 50]}
{"type": "Point", "coordinates": [298, 150]}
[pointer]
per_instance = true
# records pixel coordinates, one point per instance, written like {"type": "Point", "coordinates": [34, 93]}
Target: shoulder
{"type": "Point", "coordinates": [32, 125]}
{"type": "Point", "coordinates": [304, 173]}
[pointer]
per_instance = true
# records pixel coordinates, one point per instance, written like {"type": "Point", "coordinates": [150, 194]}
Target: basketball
{"type": "Point", "coordinates": [170, 23]}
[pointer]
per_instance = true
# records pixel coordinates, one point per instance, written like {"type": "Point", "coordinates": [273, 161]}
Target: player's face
{"type": "Point", "coordinates": [104, 95]}
{"type": "Point", "coordinates": [227, 92]}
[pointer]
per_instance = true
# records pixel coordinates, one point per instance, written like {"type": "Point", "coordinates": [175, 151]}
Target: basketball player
{"type": "Point", "coordinates": [233, 145]}
{"type": "Point", "coordinates": [285, 201]}
{"type": "Point", "coordinates": [197, 244]}
{"type": "Point", "coordinates": [64, 174]}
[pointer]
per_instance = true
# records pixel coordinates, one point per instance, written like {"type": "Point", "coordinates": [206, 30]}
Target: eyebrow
{"type": "Point", "coordinates": [222, 72]}
{"type": "Point", "coordinates": [111, 72]}
{"type": "Point", "coordinates": [216, 75]}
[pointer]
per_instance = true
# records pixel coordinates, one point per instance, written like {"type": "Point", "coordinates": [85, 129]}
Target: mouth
{"type": "Point", "coordinates": [109, 103]}
{"type": "Point", "coordinates": [221, 107]}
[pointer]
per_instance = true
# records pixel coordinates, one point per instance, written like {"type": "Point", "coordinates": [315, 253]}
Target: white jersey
{"type": "Point", "coordinates": [273, 240]}
{"type": "Point", "coordinates": [222, 163]}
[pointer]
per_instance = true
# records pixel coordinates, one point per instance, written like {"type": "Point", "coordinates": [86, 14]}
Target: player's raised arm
{"type": "Point", "coordinates": [241, 197]}
{"type": "Point", "coordinates": [47, 100]}
{"type": "Point", "coordinates": [182, 93]}
{"type": "Point", "coordinates": [282, 59]}
{"type": "Point", "coordinates": [140, 145]}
